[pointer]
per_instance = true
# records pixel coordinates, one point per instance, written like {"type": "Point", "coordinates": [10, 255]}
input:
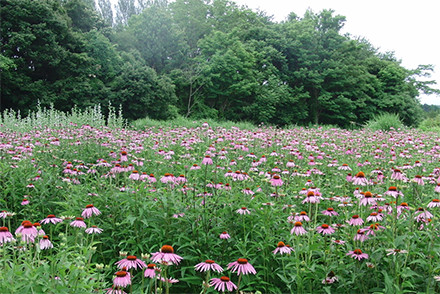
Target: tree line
{"type": "Point", "coordinates": [199, 58]}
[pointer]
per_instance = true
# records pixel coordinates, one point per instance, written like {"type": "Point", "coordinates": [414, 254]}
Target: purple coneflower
{"type": "Point", "coordinates": [360, 236]}
{"type": "Point", "coordinates": [392, 191]}
{"type": "Point", "coordinates": [357, 254]}
{"type": "Point", "coordinates": [242, 266]}
{"type": "Point", "coordinates": [340, 242]}
{"type": "Point", "coordinates": [28, 231]}
{"type": "Point", "coordinates": [114, 291]}
{"type": "Point", "coordinates": [51, 219]}
{"type": "Point", "coordinates": [39, 229]}
{"type": "Point", "coordinates": [402, 207]}
{"type": "Point", "coordinates": [45, 243]}
{"type": "Point", "coordinates": [283, 248]}
{"type": "Point", "coordinates": [398, 175]}
{"type": "Point", "coordinates": [375, 217]}
{"type": "Point", "coordinates": [78, 223]}
{"type": "Point", "coordinates": [5, 235]}
{"type": "Point", "coordinates": [89, 211]}
{"type": "Point", "coordinates": [208, 265]}
{"type": "Point", "coordinates": [276, 181]}
{"type": "Point", "coordinates": [223, 283]}
{"type": "Point", "coordinates": [122, 279]}
{"type": "Point", "coordinates": [422, 214]}
{"type": "Point", "coordinates": [355, 220]}
{"type": "Point", "coordinates": [302, 216]}
{"type": "Point", "coordinates": [224, 235]}
{"type": "Point", "coordinates": [298, 229]}
{"type": "Point", "coordinates": [330, 212]}
{"type": "Point", "coordinates": [370, 230]}
{"type": "Point", "coordinates": [93, 230]}
{"type": "Point", "coordinates": [311, 198]}
{"type": "Point", "coordinates": [325, 229]}
{"type": "Point", "coordinates": [434, 203]}
{"type": "Point", "coordinates": [395, 251]}
{"type": "Point", "coordinates": [418, 179]}
{"type": "Point", "coordinates": [207, 160]}
{"type": "Point", "coordinates": [330, 279]}
{"type": "Point", "coordinates": [166, 255]}
{"type": "Point", "coordinates": [248, 191]}
{"type": "Point", "coordinates": [344, 167]}
{"type": "Point", "coordinates": [131, 262]}
{"type": "Point", "coordinates": [168, 280]}
{"type": "Point", "coordinates": [243, 210]}
{"type": "Point", "coordinates": [368, 199]}
{"type": "Point", "coordinates": [360, 180]}
{"type": "Point", "coordinates": [150, 271]}
{"type": "Point", "coordinates": [134, 175]}
{"type": "Point", "coordinates": [123, 156]}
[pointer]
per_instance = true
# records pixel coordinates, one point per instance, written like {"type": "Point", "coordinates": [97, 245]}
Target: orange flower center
{"type": "Point", "coordinates": [4, 229]}
{"type": "Point", "coordinates": [242, 261]}
{"type": "Point", "coordinates": [121, 274]}
{"type": "Point", "coordinates": [298, 224]}
{"type": "Point", "coordinates": [151, 265]}
{"type": "Point", "coordinates": [167, 249]}
{"type": "Point", "coordinates": [357, 251]}
{"type": "Point", "coordinates": [281, 244]}
{"type": "Point", "coordinates": [131, 257]}
{"type": "Point", "coordinates": [224, 279]}
{"type": "Point", "coordinates": [209, 261]}
{"type": "Point", "coordinates": [355, 216]}
{"type": "Point", "coordinates": [89, 206]}
{"type": "Point", "coordinates": [324, 226]}
{"type": "Point", "coordinates": [360, 175]}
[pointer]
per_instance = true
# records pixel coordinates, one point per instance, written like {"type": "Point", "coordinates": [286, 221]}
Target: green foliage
{"type": "Point", "coordinates": [385, 122]}
{"type": "Point", "coordinates": [431, 124]}
{"type": "Point", "coordinates": [200, 59]}
{"type": "Point", "coordinates": [138, 217]}
{"type": "Point", "coordinates": [180, 121]}
{"type": "Point", "coordinates": [43, 117]}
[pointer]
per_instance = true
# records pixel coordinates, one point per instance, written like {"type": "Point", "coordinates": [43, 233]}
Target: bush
{"type": "Point", "coordinates": [431, 124]}
{"type": "Point", "coordinates": [385, 122]}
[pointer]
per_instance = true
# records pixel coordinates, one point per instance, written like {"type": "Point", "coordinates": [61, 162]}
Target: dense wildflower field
{"type": "Point", "coordinates": [198, 209]}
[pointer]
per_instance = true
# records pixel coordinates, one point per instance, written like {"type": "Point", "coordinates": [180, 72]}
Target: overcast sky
{"type": "Point", "coordinates": [409, 28]}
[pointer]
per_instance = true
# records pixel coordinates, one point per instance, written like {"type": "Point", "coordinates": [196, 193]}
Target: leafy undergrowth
{"type": "Point", "coordinates": [352, 212]}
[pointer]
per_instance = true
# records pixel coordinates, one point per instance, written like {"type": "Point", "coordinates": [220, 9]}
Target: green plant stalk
{"type": "Point", "coordinates": [238, 283]}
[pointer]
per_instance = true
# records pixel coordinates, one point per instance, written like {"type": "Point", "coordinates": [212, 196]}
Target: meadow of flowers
{"type": "Point", "coordinates": [198, 209]}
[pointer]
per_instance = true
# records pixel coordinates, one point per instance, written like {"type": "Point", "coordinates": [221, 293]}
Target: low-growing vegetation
{"type": "Point", "coordinates": [206, 208]}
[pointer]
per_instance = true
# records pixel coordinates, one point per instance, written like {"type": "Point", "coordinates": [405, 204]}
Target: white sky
{"type": "Point", "coordinates": [409, 28]}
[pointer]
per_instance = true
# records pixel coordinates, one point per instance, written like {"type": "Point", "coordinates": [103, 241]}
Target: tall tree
{"type": "Point", "coordinates": [105, 9]}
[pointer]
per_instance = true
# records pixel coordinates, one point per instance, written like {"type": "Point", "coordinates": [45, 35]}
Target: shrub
{"type": "Point", "coordinates": [385, 122]}
{"type": "Point", "coordinates": [431, 124]}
